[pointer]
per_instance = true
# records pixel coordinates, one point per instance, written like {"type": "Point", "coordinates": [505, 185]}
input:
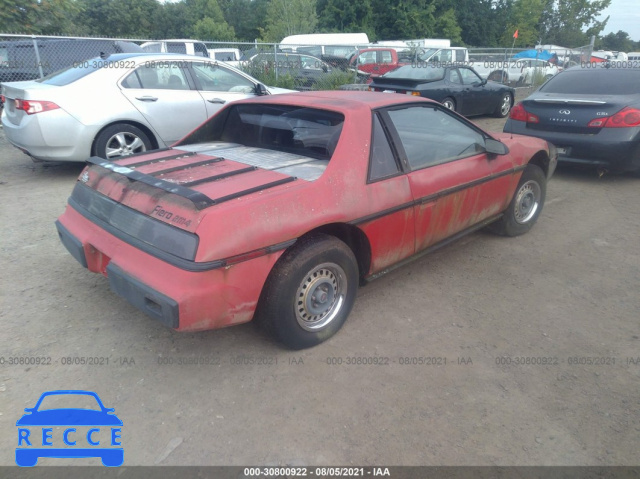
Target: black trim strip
{"type": "Point", "coordinates": [199, 200]}
{"type": "Point", "coordinates": [193, 266]}
{"type": "Point", "coordinates": [220, 176]}
{"type": "Point", "coordinates": [434, 247]}
{"type": "Point", "coordinates": [435, 196]}
{"type": "Point", "coordinates": [248, 191]}
{"type": "Point", "coordinates": [185, 154]}
{"type": "Point", "coordinates": [147, 152]}
{"type": "Point", "coordinates": [185, 167]}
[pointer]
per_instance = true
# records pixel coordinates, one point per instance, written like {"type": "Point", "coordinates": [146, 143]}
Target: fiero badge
{"type": "Point", "coordinates": [90, 430]}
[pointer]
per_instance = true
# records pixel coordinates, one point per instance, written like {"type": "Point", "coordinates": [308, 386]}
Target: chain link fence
{"type": "Point", "coordinates": [300, 67]}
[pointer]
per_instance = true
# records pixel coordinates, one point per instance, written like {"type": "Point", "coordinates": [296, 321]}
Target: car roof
{"type": "Point", "coordinates": [341, 100]}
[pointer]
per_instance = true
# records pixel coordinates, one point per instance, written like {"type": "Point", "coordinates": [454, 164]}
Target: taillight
{"type": "Point", "coordinates": [30, 107]}
{"type": "Point", "coordinates": [625, 118]}
{"type": "Point", "coordinates": [520, 114]}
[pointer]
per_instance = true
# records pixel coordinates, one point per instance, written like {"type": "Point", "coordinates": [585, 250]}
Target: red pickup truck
{"type": "Point", "coordinates": [374, 62]}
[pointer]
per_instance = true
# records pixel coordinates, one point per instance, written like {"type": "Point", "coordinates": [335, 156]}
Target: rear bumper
{"type": "Point", "coordinates": [180, 299]}
{"type": "Point", "coordinates": [615, 148]}
{"type": "Point", "coordinates": [50, 136]}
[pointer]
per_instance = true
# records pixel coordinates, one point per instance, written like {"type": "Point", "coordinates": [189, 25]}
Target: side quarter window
{"type": "Point", "coordinates": [382, 162]}
{"type": "Point", "coordinates": [430, 136]}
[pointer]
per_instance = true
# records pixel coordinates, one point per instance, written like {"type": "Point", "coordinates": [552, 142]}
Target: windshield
{"type": "Point", "coordinates": [69, 401]}
{"type": "Point", "coordinates": [599, 81]}
{"type": "Point", "coordinates": [423, 72]}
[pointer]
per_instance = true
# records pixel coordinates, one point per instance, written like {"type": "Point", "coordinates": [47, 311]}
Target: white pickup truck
{"type": "Point", "coordinates": [520, 72]}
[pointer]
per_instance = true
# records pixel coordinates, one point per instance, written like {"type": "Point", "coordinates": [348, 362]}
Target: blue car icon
{"type": "Point", "coordinates": [102, 426]}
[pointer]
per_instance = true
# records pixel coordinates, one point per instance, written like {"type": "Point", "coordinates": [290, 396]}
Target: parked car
{"type": "Point", "coordinates": [231, 56]}
{"type": "Point", "coordinates": [592, 115]}
{"type": "Point", "coordinates": [29, 59]}
{"type": "Point", "coordinates": [306, 70]}
{"type": "Point", "coordinates": [520, 72]}
{"type": "Point", "coordinates": [185, 47]}
{"type": "Point", "coordinates": [277, 207]}
{"type": "Point", "coordinates": [373, 62]}
{"type": "Point", "coordinates": [119, 105]}
{"type": "Point", "coordinates": [459, 88]}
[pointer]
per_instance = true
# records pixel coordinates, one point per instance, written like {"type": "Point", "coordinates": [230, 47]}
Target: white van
{"type": "Point", "coordinates": [321, 44]}
{"type": "Point", "coordinates": [188, 47]}
{"type": "Point", "coordinates": [633, 55]}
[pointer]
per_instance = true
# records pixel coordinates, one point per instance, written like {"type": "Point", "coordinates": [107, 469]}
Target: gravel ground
{"type": "Point", "coordinates": [565, 295]}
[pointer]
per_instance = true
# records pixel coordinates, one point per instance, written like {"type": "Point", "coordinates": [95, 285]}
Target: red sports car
{"type": "Point", "coordinates": [278, 207]}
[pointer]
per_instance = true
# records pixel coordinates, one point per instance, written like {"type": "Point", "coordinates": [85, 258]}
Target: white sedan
{"type": "Point", "coordinates": [119, 105]}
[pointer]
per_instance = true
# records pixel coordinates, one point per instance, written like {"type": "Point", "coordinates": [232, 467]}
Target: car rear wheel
{"type": "Point", "coordinates": [119, 140]}
{"type": "Point", "coordinates": [449, 103]}
{"type": "Point", "coordinates": [504, 107]}
{"type": "Point", "coordinates": [310, 292]}
{"type": "Point", "coordinates": [526, 205]}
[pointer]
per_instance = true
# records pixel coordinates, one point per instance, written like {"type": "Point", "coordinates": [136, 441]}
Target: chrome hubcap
{"type": "Point", "coordinates": [448, 104]}
{"type": "Point", "coordinates": [124, 144]}
{"type": "Point", "coordinates": [506, 104]}
{"type": "Point", "coordinates": [320, 296]}
{"type": "Point", "coordinates": [527, 202]}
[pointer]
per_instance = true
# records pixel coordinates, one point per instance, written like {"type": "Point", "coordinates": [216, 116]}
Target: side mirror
{"type": "Point", "coordinates": [495, 147]}
{"type": "Point", "coordinates": [261, 90]}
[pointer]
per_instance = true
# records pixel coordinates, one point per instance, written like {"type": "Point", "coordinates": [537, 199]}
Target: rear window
{"type": "Point", "coordinates": [302, 131]}
{"type": "Point", "coordinates": [595, 81]}
{"type": "Point", "coordinates": [74, 73]}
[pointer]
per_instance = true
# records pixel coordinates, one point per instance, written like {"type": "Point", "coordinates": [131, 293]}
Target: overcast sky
{"type": "Point", "coordinates": [624, 15]}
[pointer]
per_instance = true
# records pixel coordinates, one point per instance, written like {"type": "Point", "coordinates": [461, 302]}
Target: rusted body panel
{"type": "Point", "coordinates": [251, 215]}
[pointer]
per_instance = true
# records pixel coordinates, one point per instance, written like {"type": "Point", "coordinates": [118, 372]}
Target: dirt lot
{"type": "Point", "coordinates": [565, 293]}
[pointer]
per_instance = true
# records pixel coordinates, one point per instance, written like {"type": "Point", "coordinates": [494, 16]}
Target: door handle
{"type": "Point", "coordinates": [147, 98]}
{"type": "Point", "coordinates": [217, 100]}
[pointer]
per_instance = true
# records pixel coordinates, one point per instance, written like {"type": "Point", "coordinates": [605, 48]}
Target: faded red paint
{"type": "Point", "coordinates": [229, 295]}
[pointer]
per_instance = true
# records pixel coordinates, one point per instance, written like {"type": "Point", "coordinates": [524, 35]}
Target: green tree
{"type": "Point", "coordinates": [245, 16]}
{"type": "Point", "coordinates": [446, 26]}
{"type": "Point", "coordinates": [289, 17]}
{"type": "Point", "coordinates": [403, 19]}
{"type": "Point", "coordinates": [118, 18]}
{"type": "Point", "coordinates": [171, 20]}
{"type": "Point", "coordinates": [208, 29]}
{"type": "Point", "coordinates": [346, 16]}
{"type": "Point", "coordinates": [45, 17]}
{"type": "Point", "coordinates": [525, 18]}
{"type": "Point", "coordinates": [619, 42]}
{"type": "Point", "coordinates": [571, 23]}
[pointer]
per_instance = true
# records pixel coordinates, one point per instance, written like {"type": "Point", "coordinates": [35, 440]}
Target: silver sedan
{"type": "Point", "coordinates": [119, 105]}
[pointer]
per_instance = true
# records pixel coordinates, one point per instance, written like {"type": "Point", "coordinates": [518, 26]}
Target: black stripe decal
{"type": "Point", "coordinates": [435, 196]}
{"type": "Point", "coordinates": [184, 154]}
{"type": "Point", "coordinates": [220, 176]}
{"type": "Point", "coordinates": [254, 190]}
{"type": "Point", "coordinates": [185, 167]}
{"type": "Point", "coordinates": [199, 200]}
{"type": "Point", "coordinates": [147, 152]}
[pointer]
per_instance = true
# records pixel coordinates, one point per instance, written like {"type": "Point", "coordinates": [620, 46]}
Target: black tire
{"type": "Point", "coordinates": [449, 103]}
{"type": "Point", "coordinates": [120, 140]}
{"type": "Point", "coordinates": [504, 106]}
{"type": "Point", "coordinates": [525, 206]}
{"type": "Point", "coordinates": [289, 309]}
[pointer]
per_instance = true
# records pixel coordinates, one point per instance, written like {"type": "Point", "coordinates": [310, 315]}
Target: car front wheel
{"type": "Point", "coordinates": [526, 204]}
{"type": "Point", "coordinates": [504, 107]}
{"type": "Point", "coordinates": [449, 103]}
{"type": "Point", "coordinates": [310, 292]}
{"type": "Point", "coordinates": [119, 140]}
